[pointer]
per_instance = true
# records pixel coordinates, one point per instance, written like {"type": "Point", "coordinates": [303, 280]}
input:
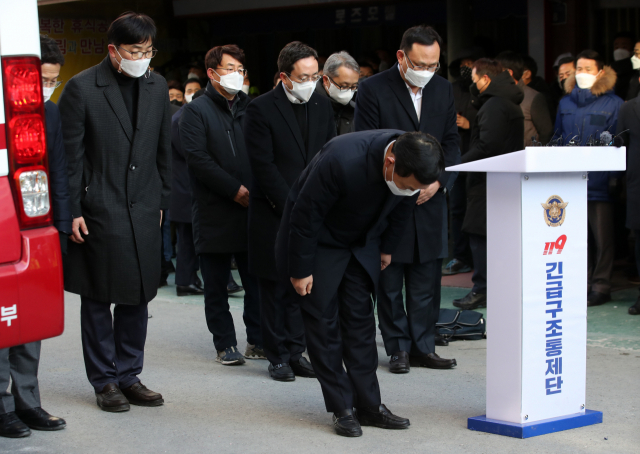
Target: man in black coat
{"type": "Point", "coordinates": [498, 129]}
{"type": "Point", "coordinates": [411, 97]}
{"type": "Point", "coordinates": [284, 129]}
{"type": "Point", "coordinates": [116, 124]}
{"type": "Point", "coordinates": [629, 119]}
{"type": "Point", "coordinates": [213, 142]}
{"type": "Point", "coordinates": [343, 221]}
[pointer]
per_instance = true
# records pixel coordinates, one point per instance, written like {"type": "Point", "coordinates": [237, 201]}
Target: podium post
{"type": "Point", "coordinates": [537, 287]}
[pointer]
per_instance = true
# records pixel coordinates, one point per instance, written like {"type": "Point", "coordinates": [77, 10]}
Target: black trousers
{"type": "Point", "coordinates": [215, 270]}
{"type": "Point", "coordinates": [412, 330]}
{"type": "Point", "coordinates": [601, 250]}
{"type": "Point", "coordinates": [186, 260]}
{"type": "Point", "coordinates": [281, 322]}
{"type": "Point", "coordinates": [346, 333]}
{"type": "Point", "coordinates": [113, 346]}
{"type": "Point", "coordinates": [478, 245]}
{"type": "Point", "coordinates": [458, 208]}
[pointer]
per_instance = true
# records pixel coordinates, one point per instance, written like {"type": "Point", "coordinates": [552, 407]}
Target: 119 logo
{"type": "Point", "coordinates": [558, 245]}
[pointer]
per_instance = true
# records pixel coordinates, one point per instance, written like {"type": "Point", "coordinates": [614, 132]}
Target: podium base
{"type": "Point", "coordinates": [533, 429]}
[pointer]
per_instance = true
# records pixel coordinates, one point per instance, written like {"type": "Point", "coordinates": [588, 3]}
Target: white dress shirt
{"type": "Point", "coordinates": [415, 97]}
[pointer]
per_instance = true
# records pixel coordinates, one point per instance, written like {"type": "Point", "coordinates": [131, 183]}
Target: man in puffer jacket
{"type": "Point", "coordinates": [591, 108]}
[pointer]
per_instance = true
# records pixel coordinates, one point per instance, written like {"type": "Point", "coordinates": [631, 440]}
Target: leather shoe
{"type": "Point", "coordinates": [471, 301]}
{"type": "Point", "coordinates": [232, 287]}
{"type": "Point", "coordinates": [184, 290]}
{"type": "Point", "coordinates": [597, 299]}
{"type": "Point", "coordinates": [441, 341]}
{"type": "Point", "coordinates": [346, 424]}
{"type": "Point", "coordinates": [12, 427]}
{"type": "Point", "coordinates": [635, 309]}
{"type": "Point", "coordinates": [138, 394]}
{"type": "Point", "coordinates": [399, 363]}
{"type": "Point", "coordinates": [111, 399]}
{"type": "Point", "coordinates": [302, 368]}
{"type": "Point", "coordinates": [432, 361]}
{"type": "Point", "coordinates": [281, 372]}
{"type": "Point", "coordinates": [381, 417]}
{"type": "Point", "coordinates": [38, 419]}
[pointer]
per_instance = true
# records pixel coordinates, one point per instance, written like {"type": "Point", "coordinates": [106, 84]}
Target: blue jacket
{"type": "Point", "coordinates": [588, 112]}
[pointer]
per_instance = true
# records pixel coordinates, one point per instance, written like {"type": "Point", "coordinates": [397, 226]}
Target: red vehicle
{"type": "Point", "coordinates": [31, 285]}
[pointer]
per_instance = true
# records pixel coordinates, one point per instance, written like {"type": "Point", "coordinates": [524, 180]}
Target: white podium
{"type": "Point", "coordinates": [537, 287]}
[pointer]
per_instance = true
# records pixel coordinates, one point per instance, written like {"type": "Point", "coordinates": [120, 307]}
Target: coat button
{"type": "Point", "coordinates": [132, 167]}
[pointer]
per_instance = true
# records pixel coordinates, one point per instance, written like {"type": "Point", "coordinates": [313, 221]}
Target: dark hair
{"type": "Point", "coordinates": [419, 34]}
{"type": "Point", "coordinates": [365, 64]}
{"type": "Point", "coordinates": [513, 61]}
{"type": "Point", "coordinates": [530, 64]}
{"type": "Point", "coordinates": [174, 84]}
{"type": "Point", "coordinates": [589, 54]}
{"type": "Point", "coordinates": [214, 56]}
{"type": "Point", "coordinates": [131, 28]}
{"type": "Point", "coordinates": [491, 68]}
{"type": "Point", "coordinates": [565, 60]}
{"type": "Point", "coordinates": [625, 34]}
{"type": "Point", "coordinates": [191, 81]}
{"type": "Point", "coordinates": [50, 51]}
{"type": "Point", "coordinates": [293, 52]}
{"type": "Point", "coordinates": [420, 155]}
{"type": "Point", "coordinates": [276, 78]}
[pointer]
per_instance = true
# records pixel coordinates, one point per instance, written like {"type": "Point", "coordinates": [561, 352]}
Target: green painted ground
{"type": "Point", "coordinates": [608, 325]}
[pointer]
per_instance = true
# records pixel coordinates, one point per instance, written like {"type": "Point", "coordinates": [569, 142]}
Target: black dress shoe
{"type": "Point", "coordinates": [111, 399]}
{"type": "Point", "coordinates": [399, 363]}
{"type": "Point", "coordinates": [441, 341]}
{"type": "Point", "coordinates": [346, 424]}
{"type": "Point", "coordinates": [232, 287]}
{"type": "Point", "coordinates": [138, 394]}
{"type": "Point", "coordinates": [12, 427]}
{"type": "Point", "coordinates": [432, 361]}
{"type": "Point", "coordinates": [597, 299]}
{"type": "Point", "coordinates": [281, 372]}
{"type": "Point", "coordinates": [199, 284]}
{"type": "Point", "coordinates": [38, 419]}
{"type": "Point", "coordinates": [472, 301]}
{"type": "Point", "coordinates": [635, 309]}
{"type": "Point", "coordinates": [381, 417]}
{"type": "Point", "coordinates": [185, 290]}
{"type": "Point", "coordinates": [302, 368]}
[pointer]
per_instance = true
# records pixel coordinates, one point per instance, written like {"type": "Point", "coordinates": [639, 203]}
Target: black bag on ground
{"type": "Point", "coordinates": [467, 325]}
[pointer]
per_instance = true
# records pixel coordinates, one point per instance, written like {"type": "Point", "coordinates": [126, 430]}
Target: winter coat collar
{"type": "Point", "coordinates": [605, 83]}
{"type": "Point", "coordinates": [239, 102]}
{"type": "Point", "coordinates": [502, 86]}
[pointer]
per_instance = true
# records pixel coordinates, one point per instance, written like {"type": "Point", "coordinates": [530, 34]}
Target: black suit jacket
{"type": "Point", "coordinates": [58, 173]}
{"type": "Point", "coordinates": [341, 206]}
{"type": "Point", "coordinates": [629, 118]}
{"type": "Point", "coordinates": [181, 194]}
{"type": "Point", "coordinates": [278, 155]}
{"type": "Point", "coordinates": [384, 102]}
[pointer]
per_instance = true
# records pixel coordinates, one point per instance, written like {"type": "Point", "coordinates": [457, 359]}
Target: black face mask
{"type": "Point", "coordinates": [465, 72]}
{"type": "Point", "coordinates": [175, 102]}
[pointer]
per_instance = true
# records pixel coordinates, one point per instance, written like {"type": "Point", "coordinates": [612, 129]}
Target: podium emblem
{"type": "Point", "coordinates": [555, 211]}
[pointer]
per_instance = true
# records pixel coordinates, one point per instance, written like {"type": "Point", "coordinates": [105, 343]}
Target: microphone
{"type": "Point", "coordinates": [618, 141]}
{"type": "Point", "coordinates": [606, 138]}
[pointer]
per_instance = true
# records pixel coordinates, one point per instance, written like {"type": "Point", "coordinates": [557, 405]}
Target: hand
{"type": "Point", "coordinates": [385, 260]}
{"type": "Point", "coordinates": [462, 122]}
{"type": "Point", "coordinates": [303, 286]}
{"type": "Point", "coordinates": [242, 197]}
{"type": "Point", "coordinates": [426, 194]}
{"type": "Point", "coordinates": [78, 226]}
{"type": "Point", "coordinates": [160, 218]}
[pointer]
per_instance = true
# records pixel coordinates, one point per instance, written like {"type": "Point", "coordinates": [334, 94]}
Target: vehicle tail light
{"type": "Point", "coordinates": [26, 140]}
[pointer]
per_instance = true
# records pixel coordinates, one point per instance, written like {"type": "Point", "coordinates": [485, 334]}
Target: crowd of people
{"type": "Point", "coordinates": [322, 192]}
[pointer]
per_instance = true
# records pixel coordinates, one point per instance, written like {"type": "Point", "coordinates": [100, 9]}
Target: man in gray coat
{"type": "Point", "coordinates": [116, 124]}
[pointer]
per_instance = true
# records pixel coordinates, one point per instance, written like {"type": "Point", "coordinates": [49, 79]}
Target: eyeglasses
{"type": "Point", "coordinates": [140, 55]}
{"type": "Point", "coordinates": [351, 88]}
{"type": "Point", "coordinates": [434, 67]}
{"type": "Point", "coordinates": [304, 79]}
{"type": "Point", "coordinates": [242, 72]}
{"type": "Point", "coordinates": [48, 84]}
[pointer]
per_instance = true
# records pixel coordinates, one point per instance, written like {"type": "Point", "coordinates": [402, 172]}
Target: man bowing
{"type": "Point", "coordinates": [343, 219]}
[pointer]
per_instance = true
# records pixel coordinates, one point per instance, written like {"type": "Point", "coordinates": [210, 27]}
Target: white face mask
{"type": "Point", "coordinates": [585, 80]}
{"type": "Point", "coordinates": [621, 54]}
{"type": "Point", "coordinates": [417, 78]}
{"type": "Point", "coordinates": [341, 96]}
{"type": "Point", "coordinates": [395, 190]}
{"type": "Point", "coordinates": [232, 83]}
{"type": "Point", "coordinates": [133, 68]}
{"type": "Point", "coordinates": [635, 62]}
{"type": "Point", "coordinates": [302, 91]}
{"type": "Point", "coordinates": [189, 97]}
{"type": "Point", "coordinates": [246, 88]}
{"type": "Point", "coordinates": [47, 92]}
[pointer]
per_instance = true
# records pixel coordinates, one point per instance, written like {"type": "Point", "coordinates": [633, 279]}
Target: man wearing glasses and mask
{"type": "Point", "coordinates": [220, 174]}
{"type": "Point", "coordinates": [284, 129]}
{"type": "Point", "coordinates": [116, 123]}
{"type": "Point", "coordinates": [340, 84]}
{"type": "Point", "coordinates": [410, 96]}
